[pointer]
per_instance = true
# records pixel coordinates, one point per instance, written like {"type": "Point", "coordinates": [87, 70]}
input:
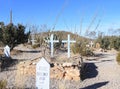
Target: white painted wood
{"type": "Point", "coordinates": [51, 41]}
{"type": "Point", "coordinates": [91, 44]}
{"type": "Point", "coordinates": [42, 74]}
{"type": "Point", "coordinates": [33, 40]}
{"type": "Point", "coordinates": [7, 51]}
{"type": "Point", "coordinates": [68, 41]}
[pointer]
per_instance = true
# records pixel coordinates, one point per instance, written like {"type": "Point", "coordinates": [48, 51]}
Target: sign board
{"type": "Point", "coordinates": [42, 74]}
{"type": "Point", "coordinates": [7, 51]}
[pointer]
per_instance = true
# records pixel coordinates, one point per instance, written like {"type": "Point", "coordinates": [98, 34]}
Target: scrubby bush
{"type": "Point", "coordinates": [13, 35]}
{"type": "Point", "coordinates": [118, 57]}
{"type": "Point", "coordinates": [35, 46]}
{"type": "Point", "coordinates": [80, 48]}
{"type": "Point", "coordinates": [3, 84]}
{"type": "Point", "coordinates": [108, 42]}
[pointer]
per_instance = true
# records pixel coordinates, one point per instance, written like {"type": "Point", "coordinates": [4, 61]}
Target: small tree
{"type": "Point", "coordinates": [105, 43]}
{"type": "Point", "coordinates": [117, 43]}
{"type": "Point", "coordinates": [108, 42]}
{"type": "Point", "coordinates": [13, 35]}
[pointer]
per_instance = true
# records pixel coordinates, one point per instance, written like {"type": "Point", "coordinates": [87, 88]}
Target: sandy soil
{"type": "Point", "coordinates": [102, 74]}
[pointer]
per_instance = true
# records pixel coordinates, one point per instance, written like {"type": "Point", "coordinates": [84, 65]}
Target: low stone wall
{"type": "Point", "coordinates": [67, 71]}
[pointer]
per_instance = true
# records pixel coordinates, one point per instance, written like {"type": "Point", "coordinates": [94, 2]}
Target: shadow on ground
{"type": "Point", "coordinates": [107, 60]}
{"type": "Point", "coordinates": [31, 51]}
{"type": "Point", "coordinates": [101, 55]}
{"type": "Point", "coordinates": [89, 71]}
{"type": "Point", "coordinates": [96, 85]}
{"type": "Point", "coordinates": [7, 63]}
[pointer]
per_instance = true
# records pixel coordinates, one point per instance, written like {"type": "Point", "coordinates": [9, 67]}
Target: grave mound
{"type": "Point", "coordinates": [63, 70]}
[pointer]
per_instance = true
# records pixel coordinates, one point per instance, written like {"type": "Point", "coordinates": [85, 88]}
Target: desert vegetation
{"type": "Point", "coordinates": [12, 35]}
{"type": "Point", "coordinates": [15, 34]}
{"type": "Point", "coordinates": [118, 57]}
{"type": "Point", "coordinates": [3, 84]}
{"type": "Point", "coordinates": [84, 56]}
{"type": "Point", "coordinates": [109, 42]}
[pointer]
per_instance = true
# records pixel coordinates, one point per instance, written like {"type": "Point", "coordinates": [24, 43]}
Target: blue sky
{"type": "Point", "coordinates": [63, 14]}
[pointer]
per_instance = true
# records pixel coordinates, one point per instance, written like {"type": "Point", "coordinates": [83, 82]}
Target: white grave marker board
{"type": "Point", "coordinates": [42, 74]}
{"type": "Point", "coordinates": [7, 51]}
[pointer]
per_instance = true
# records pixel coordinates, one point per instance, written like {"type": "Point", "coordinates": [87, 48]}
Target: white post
{"type": "Point", "coordinates": [68, 46]}
{"type": "Point", "coordinates": [68, 41]}
{"type": "Point", "coordinates": [91, 44]}
{"type": "Point", "coordinates": [52, 50]}
{"type": "Point", "coordinates": [51, 41]}
{"type": "Point", "coordinates": [33, 40]}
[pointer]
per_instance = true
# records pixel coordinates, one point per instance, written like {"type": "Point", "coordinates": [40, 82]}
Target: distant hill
{"type": "Point", "coordinates": [63, 35]}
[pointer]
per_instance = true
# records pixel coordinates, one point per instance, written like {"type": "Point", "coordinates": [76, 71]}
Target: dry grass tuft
{"type": "Point", "coordinates": [62, 85]}
{"type": "Point", "coordinates": [118, 57]}
{"type": "Point", "coordinates": [3, 84]}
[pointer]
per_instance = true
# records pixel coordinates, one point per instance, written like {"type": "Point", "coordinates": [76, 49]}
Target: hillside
{"type": "Point", "coordinates": [62, 35]}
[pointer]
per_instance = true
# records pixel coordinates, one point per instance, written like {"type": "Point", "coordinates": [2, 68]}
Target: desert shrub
{"type": "Point", "coordinates": [80, 48]}
{"type": "Point", "coordinates": [75, 48]}
{"type": "Point", "coordinates": [13, 35]}
{"type": "Point", "coordinates": [108, 42]}
{"type": "Point", "coordinates": [39, 40]}
{"type": "Point", "coordinates": [89, 52]}
{"type": "Point", "coordinates": [118, 57]}
{"type": "Point", "coordinates": [3, 84]}
{"type": "Point", "coordinates": [35, 46]}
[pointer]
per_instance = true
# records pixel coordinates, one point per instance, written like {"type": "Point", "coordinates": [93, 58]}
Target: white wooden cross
{"type": "Point", "coordinates": [91, 44]}
{"type": "Point", "coordinates": [33, 40]}
{"type": "Point", "coordinates": [68, 41]}
{"type": "Point", "coordinates": [51, 41]}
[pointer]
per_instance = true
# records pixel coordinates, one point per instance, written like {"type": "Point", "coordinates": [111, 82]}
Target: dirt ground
{"type": "Point", "coordinates": [102, 71]}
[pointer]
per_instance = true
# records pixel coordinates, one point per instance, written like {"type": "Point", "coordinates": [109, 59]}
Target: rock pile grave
{"type": "Point", "coordinates": [65, 70]}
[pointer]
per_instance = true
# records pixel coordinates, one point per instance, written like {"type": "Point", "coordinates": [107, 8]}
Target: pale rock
{"type": "Point", "coordinates": [73, 72]}
{"type": "Point", "coordinates": [67, 77]}
{"type": "Point", "coordinates": [34, 63]}
{"type": "Point", "coordinates": [76, 78]}
{"type": "Point", "coordinates": [66, 64]}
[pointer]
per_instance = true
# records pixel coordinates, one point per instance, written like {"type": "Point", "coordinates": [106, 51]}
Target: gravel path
{"type": "Point", "coordinates": [105, 75]}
